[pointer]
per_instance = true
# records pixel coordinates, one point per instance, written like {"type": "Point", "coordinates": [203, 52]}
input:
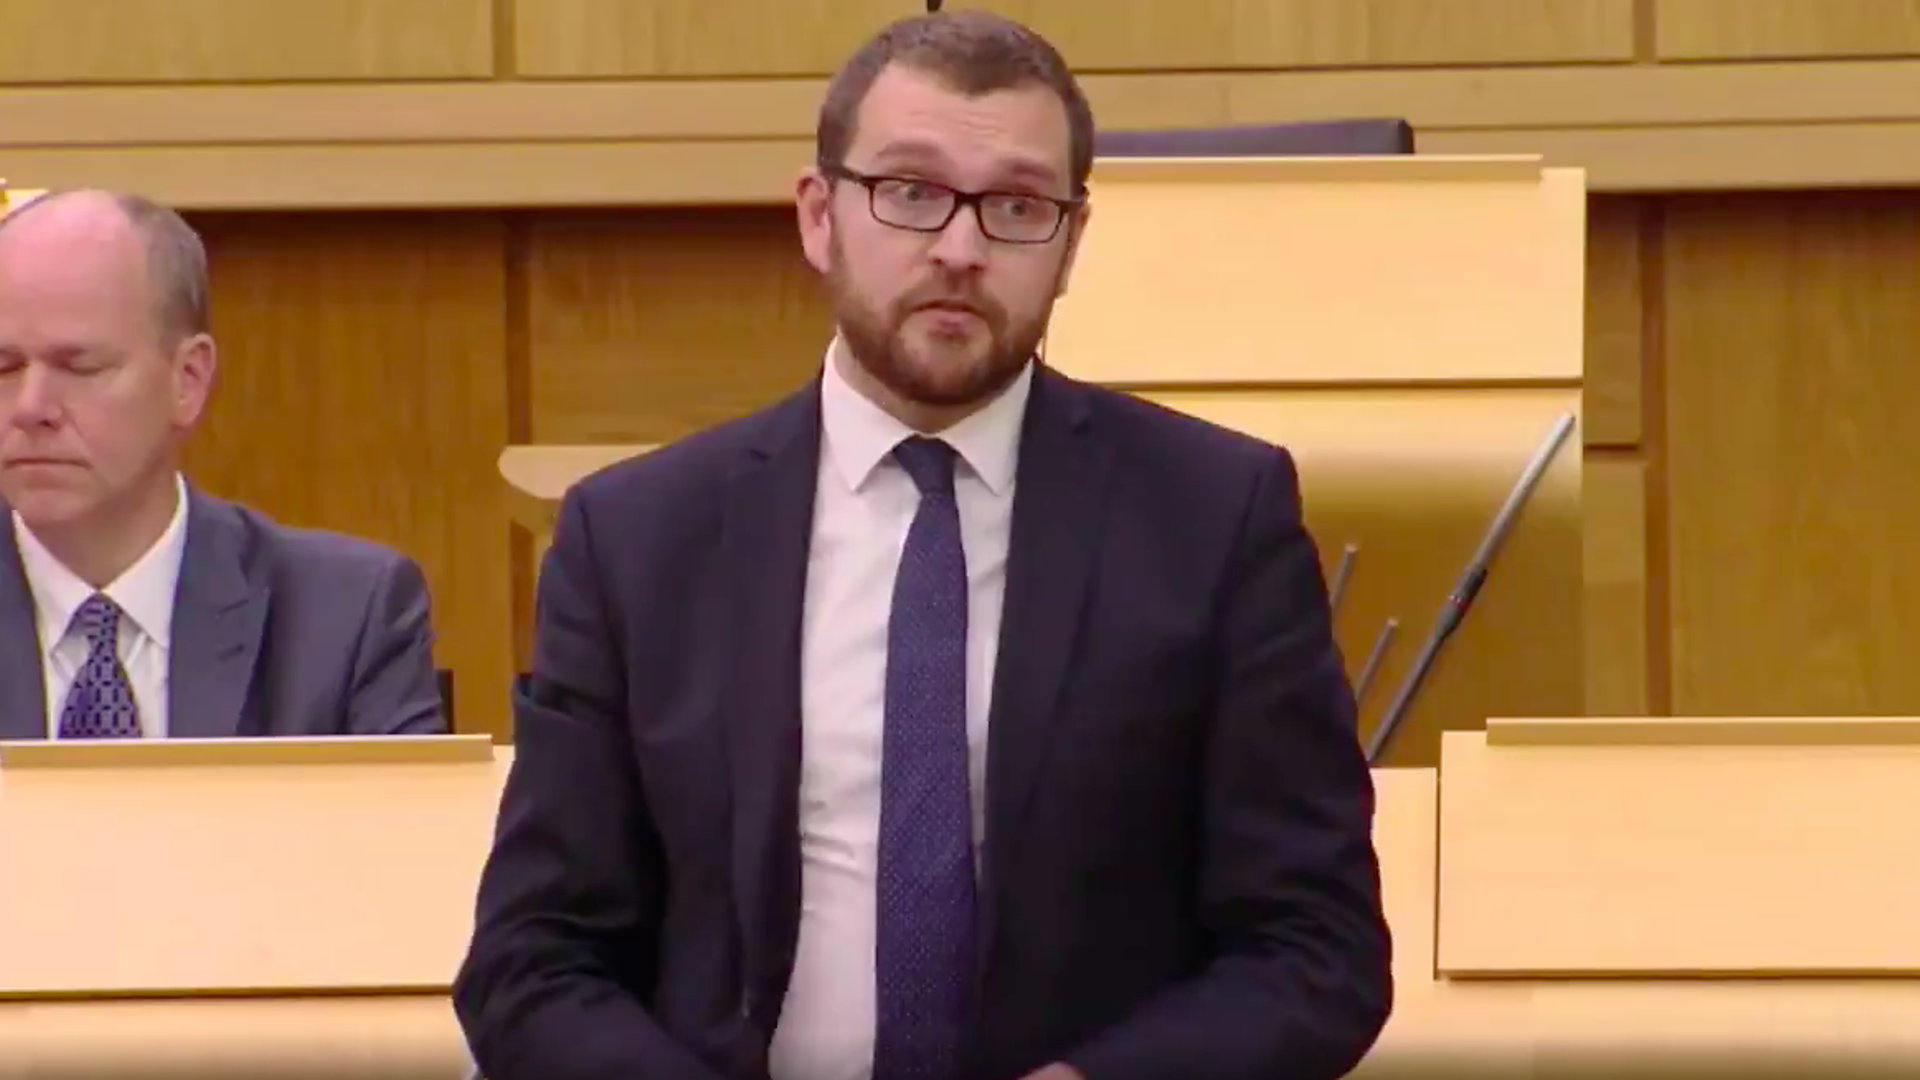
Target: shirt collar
{"type": "Point", "coordinates": [144, 593]}
{"type": "Point", "coordinates": [857, 435]}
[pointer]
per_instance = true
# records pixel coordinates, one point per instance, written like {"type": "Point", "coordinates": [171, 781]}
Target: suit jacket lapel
{"type": "Point", "coordinates": [1057, 506]}
{"type": "Point", "coordinates": [764, 541]}
{"type": "Point", "coordinates": [23, 688]}
{"type": "Point", "coordinates": [218, 614]}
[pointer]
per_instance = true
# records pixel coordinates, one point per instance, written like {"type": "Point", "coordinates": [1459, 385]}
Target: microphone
{"type": "Point", "coordinates": [1461, 599]}
{"type": "Point", "coordinates": [933, 6]}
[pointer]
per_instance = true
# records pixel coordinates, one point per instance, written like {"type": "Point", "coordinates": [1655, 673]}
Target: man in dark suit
{"type": "Point", "coordinates": [131, 605]}
{"type": "Point", "coordinates": [840, 759]}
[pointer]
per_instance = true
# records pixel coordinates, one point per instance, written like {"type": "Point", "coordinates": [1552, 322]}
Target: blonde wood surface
{"type": "Point", "coordinates": [196, 753]}
{"type": "Point", "coordinates": [1640, 127]}
{"type": "Point", "coordinates": [1709, 731]}
{"type": "Point", "coordinates": [1435, 100]}
{"type": "Point", "coordinates": [373, 1038]}
{"type": "Point", "coordinates": [1572, 1029]}
{"type": "Point", "coordinates": [538, 477]}
{"type": "Point", "coordinates": [1660, 858]}
{"type": "Point", "coordinates": [1755, 29]}
{"type": "Point", "coordinates": [730, 38]}
{"type": "Point", "coordinates": [262, 879]}
{"type": "Point", "coordinates": [1414, 270]}
{"type": "Point", "coordinates": [544, 473]}
{"type": "Point", "coordinates": [68, 41]}
{"type": "Point", "coordinates": [1441, 1028]}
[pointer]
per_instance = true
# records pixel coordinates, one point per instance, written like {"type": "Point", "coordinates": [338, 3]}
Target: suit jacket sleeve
{"type": "Point", "coordinates": [569, 912]}
{"type": "Point", "coordinates": [1300, 982]}
{"type": "Point", "coordinates": [395, 689]}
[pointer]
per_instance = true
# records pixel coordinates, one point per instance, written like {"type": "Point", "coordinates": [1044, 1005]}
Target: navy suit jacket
{"type": "Point", "coordinates": [1179, 879]}
{"type": "Point", "coordinates": [276, 631]}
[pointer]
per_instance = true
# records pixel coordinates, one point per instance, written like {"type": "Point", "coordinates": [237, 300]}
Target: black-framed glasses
{"type": "Point", "coordinates": [906, 202]}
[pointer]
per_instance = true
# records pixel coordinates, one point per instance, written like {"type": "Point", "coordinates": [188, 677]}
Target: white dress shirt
{"type": "Point", "coordinates": [145, 596]}
{"type": "Point", "coordinates": [863, 504]}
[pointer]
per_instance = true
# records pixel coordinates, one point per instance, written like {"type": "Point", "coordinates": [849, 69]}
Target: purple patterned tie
{"type": "Point", "coordinates": [925, 924]}
{"type": "Point", "coordinates": [100, 705]}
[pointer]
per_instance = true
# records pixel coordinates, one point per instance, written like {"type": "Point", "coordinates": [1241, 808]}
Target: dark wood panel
{"type": "Point", "coordinates": [363, 388]}
{"type": "Point", "coordinates": [646, 325]}
{"type": "Point", "coordinates": [1791, 332]}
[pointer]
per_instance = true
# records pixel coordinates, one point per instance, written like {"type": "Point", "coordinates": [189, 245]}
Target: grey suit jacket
{"type": "Point", "coordinates": [276, 631]}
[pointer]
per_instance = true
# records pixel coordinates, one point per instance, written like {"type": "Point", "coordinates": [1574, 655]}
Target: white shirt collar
{"type": "Point", "coordinates": [857, 435]}
{"type": "Point", "coordinates": [144, 592]}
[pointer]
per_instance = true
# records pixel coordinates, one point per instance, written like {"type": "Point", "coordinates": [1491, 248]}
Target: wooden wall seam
{"type": "Point", "coordinates": [1654, 437]}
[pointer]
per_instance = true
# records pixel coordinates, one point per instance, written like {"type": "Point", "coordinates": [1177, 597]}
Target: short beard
{"type": "Point", "coordinates": [877, 342]}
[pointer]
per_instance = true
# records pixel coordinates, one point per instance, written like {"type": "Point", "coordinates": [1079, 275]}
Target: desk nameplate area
{"type": "Point", "coordinates": [337, 866]}
{"type": "Point", "coordinates": [1653, 1014]}
{"type": "Point", "coordinates": [1726, 848]}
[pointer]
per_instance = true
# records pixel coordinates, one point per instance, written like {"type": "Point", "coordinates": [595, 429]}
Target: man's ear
{"type": "Point", "coordinates": [196, 361]}
{"type": "Point", "coordinates": [813, 204]}
{"type": "Point", "coordinates": [1076, 228]}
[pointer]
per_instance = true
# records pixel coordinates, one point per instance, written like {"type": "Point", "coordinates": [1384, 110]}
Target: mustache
{"type": "Point", "coordinates": [954, 298]}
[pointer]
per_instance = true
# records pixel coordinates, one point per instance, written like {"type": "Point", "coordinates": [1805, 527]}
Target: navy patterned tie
{"type": "Point", "coordinates": [100, 705]}
{"type": "Point", "coordinates": [925, 926]}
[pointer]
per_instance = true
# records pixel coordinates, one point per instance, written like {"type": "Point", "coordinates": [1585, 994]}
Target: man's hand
{"type": "Point", "coordinates": [1057, 1072]}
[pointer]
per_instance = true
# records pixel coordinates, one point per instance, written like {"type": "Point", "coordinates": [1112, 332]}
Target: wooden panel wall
{"type": "Point", "coordinates": [363, 386]}
{"type": "Point", "coordinates": [1792, 356]}
{"type": "Point", "coordinates": [695, 38]}
{"type": "Point", "coordinates": [303, 104]}
{"type": "Point", "coordinates": [1766, 29]}
{"type": "Point", "coordinates": [65, 41]}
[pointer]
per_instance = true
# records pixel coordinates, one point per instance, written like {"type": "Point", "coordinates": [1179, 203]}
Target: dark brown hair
{"type": "Point", "coordinates": [974, 52]}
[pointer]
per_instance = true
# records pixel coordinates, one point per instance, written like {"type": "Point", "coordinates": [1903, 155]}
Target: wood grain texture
{"type": "Point", "coordinates": [707, 38]}
{"type": "Point", "coordinates": [1761, 29]}
{"type": "Point", "coordinates": [1611, 403]}
{"type": "Point", "coordinates": [733, 141]}
{"type": "Point", "coordinates": [67, 41]}
{"type": "Point", "coordinates": [363, 389]}
{"type": "Point", "coordinates": [644, 326]}
{"type": "Point", "coordinates": [1613, 592]}
{"type": "Point", "coordinates": [1791, 332]}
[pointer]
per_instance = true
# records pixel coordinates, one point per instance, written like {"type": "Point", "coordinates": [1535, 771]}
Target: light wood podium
{"type": "Point", "coordinates": [239, 908]}
{"type": "Point", "coordinates": [1671, 899]}
{"type": "Point", "coordinates": [1410, 328]}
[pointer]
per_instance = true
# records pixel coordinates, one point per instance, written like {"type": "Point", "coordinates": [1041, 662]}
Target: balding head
{"type": "Point", "coordinates": [87, 224]}
{"type": "Point", "coordinates": [105, 367]}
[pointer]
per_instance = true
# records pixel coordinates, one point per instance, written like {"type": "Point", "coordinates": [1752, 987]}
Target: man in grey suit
{"type": "Point", "coordinates": [131, 604]}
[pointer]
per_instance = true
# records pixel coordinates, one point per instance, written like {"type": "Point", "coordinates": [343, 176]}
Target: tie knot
{"type": "Point", "coordinates": [99, 620]}
{"type": "Point", "coordinates": [929, 462]}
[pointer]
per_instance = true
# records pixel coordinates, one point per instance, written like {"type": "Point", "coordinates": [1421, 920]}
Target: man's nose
{"type": "Point", "coordinates": [962, 245]}
{"type": "Point", "coordinates": [35, 403]}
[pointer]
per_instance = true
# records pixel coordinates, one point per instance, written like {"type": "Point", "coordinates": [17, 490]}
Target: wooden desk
{"type": "Point", "coordinates": [239, 908]}
{"type": "Point", "coordinates": [1625, 1024]}
{"type": "Point", "coordinates": [373, 1038]}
